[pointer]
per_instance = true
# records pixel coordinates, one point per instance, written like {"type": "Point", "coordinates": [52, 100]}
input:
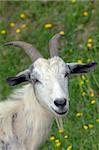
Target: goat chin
{"type": "Point", "coordinates": [24, 124]}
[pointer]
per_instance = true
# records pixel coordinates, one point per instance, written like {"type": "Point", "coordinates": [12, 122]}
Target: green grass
{"type": "Point", "coordinates": [67, 16]}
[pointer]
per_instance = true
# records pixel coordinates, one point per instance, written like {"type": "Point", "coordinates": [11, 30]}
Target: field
{"type": "Point", "coordinates": [36, 22]}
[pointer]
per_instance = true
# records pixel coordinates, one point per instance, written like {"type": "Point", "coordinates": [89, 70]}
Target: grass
{"type": "Point", "coordinates": [79, 21]}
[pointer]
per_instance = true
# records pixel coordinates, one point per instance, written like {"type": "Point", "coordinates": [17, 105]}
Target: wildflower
{"type": "Point", "coordinates": [97, 120]}
{"type": "Point", "coordinates": [52, 138]}
{"type": "Point", "coordinates": [3, 31]}
{"type": "Point", "coordinates": [81, 82]}
{"type": "Point", "coordinates": [61, 33]}
{"type": "Point", "coordinates": [12, 24]}
{"type": "Point", "coordinates": [92, 93]}
{"type": "Point", "coordinates": [90, 126]}
{"type": "Point", "coordinates": [87, 81]}
{"type": "Point", "coordinates": [88, 60]}
{"type": "Point", "coordinates": [90, 40]}
{"type": "Point", "coordinates": [73, 1]}
{"type": "Point", "coordinates": [22, 15]}
{"type": "Point", "coordinates": [85, 127]}
{"type": "Point", "coordinates": [85, 13]}
{"type": "Point", "coordinates": [93, 101]}
{"type": "Point", "coordinates": [57, 141]}
{"type": "Point", "coordinates": [23, 26]}
{"type": "Point", "coordinates": [89, 45]}
{"type": "Point", "coordinates": [58, 144]}
{"type": "Point", "coordinates": [83, 93]}
{"type": "Point", "coordinates": [79, 114]}
{"type": "Point", "coordinates": [83, 77]}
{"type": "Point", "coordinates": [48, 25]}
{"type": "Point", "coordinates": [60, 130]}
{"type": "Point", "coordinates": [18, 30]}
{"type": "Point", "coordinates": [69, 147]}
{"type": "Point", "coordinates": [79, 61]}
{"type": "Point", "coordinates": [66, 137]}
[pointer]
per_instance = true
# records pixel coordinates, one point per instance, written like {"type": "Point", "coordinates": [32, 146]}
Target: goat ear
{"type": "Point", "coordinates": [20, 78]}
{"type": "Point", "coordinates": [80, 68]}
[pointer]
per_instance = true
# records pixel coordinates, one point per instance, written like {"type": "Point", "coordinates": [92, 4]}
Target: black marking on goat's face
{"type": "Point", "coordinates": [28, 75]}
{"type": "Point", "coordinates": [17, 80]}
{"type": "Point", "coordinates": [75, 68]}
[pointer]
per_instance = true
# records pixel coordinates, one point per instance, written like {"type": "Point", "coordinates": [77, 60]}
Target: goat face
{"type": "Point", "coordinates": [50, 81]}
{"type": "Point", "coordinates": [49, 77]}
{"type": "Point", "coordinates": [51, 84]}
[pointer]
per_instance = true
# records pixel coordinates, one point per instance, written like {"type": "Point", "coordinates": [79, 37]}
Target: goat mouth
{"type": "Point", "coordinates": [60, 113]}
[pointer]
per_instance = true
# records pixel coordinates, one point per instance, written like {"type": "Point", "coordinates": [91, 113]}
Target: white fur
{"type": "Point", "coordinates": [32, 123]}
{"type": "Point", "coordinates": [26, 117]}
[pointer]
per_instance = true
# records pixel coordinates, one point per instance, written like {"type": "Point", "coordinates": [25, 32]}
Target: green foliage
{"type": "Point", "coordinates": [79, 20]}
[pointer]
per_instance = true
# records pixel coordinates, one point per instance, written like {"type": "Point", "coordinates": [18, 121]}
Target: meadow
{"type": "Point", "coordinates": [36, 22]}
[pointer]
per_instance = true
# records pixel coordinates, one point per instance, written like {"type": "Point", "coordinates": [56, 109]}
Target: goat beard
{"type": "Point", "coordinates": [59, 122]}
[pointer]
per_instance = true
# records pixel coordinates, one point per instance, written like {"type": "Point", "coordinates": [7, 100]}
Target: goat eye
{"type": "Point", "coordinates": [36, 81]}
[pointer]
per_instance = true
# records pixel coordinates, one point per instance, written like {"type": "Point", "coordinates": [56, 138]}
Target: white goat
{"type": "Point", "coordinates": [25, 118]}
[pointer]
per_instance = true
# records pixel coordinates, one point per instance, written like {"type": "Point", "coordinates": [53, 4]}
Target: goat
{"type": "Point", "coordinates": [28, 113]}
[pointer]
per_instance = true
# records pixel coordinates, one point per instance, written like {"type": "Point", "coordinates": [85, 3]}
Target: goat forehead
{"type": "Point", "coordinates": [53, 65]}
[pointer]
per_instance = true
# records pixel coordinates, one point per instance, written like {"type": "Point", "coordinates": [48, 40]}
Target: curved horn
{"type": "Point", "coordinates": [53, 45]}
{"type": "Point", "coordinates": [29, 49]}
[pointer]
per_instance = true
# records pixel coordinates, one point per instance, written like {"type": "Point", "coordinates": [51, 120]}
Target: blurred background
{"type": "Point", "coordinates": [36, 22]}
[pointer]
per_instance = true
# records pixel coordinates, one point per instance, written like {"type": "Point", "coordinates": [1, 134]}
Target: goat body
{"type": "Point", "coordinates": [24, 123]}
{"type": "Point", "coordinates": [25, 118]}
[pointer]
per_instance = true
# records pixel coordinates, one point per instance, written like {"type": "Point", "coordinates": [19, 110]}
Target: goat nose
{"type": "Point", "coordinates": [60, 102]}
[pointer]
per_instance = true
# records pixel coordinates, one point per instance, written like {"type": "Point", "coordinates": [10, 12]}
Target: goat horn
{"type": "Point", "coordinates": [53, 45]}
{"type": "Point", "coordinates": [29, 49]}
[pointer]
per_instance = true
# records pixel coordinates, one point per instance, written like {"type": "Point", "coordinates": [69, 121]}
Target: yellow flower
{"type": "Point", "coordinates": [73, 1]}
{"type": "Point", "coordinates": [89, 45]}
{"type": "Point", "coordinates": [52, 138]}
{"type": "Point", "coordinates": [57, 141]}
{"type": "Point", "coordinates": [23, 26]}
{"type": "Point", "coordinates": [61, 33]}
{"type": "Point", "coordinates": [66, 137]}
{"type": "Point", "coordinates": [79, 61]}
{"type": "Point", "coordinates": [79, 114]}
{"type": "Point", "coordinates": [97, 120]}
{"type": "Point", "coordinates": [83, 77]}
{"type": "Point", "coordinates": [18, 30]}
{"type": "Point", "coordinates": [90, 40]}
{"type": "Point", "coordinates": [92, 93]}
{"type": "Point", "coordinates": [93, 101]}
{"type": "Point", "coordinates": [69, 147]}
{"type": "Point", "coordinates": [22, 15]}
{"type": "Point", "coordinates": [12, 24]}
{"type": "Point", "coordinates": [90, 126]}
{"type": "Point", "coordinates": [87, 81]}
{"type": "Point", "coordinates": [88, 60]}
{"type": "Point", "coordinates": [60, 130]}
{"type": "Point", "coordinates": [3, 31]}
{"type": "Point", "coordinates": [85, 13]}
{"type": "Point", "coordinates": [85, 127]}
{"type": "Point", "coordinates": [81, 82]}
{"type": "Point", "coordinates": [58, 144]}
{"type": "Point", "coordinates": [83, 93]}
{"type": "Point", "coordinates": [48, 25]}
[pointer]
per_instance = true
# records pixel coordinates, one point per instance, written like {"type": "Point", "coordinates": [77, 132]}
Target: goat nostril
{"type": "Point", "coordinates": [60, 102]}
